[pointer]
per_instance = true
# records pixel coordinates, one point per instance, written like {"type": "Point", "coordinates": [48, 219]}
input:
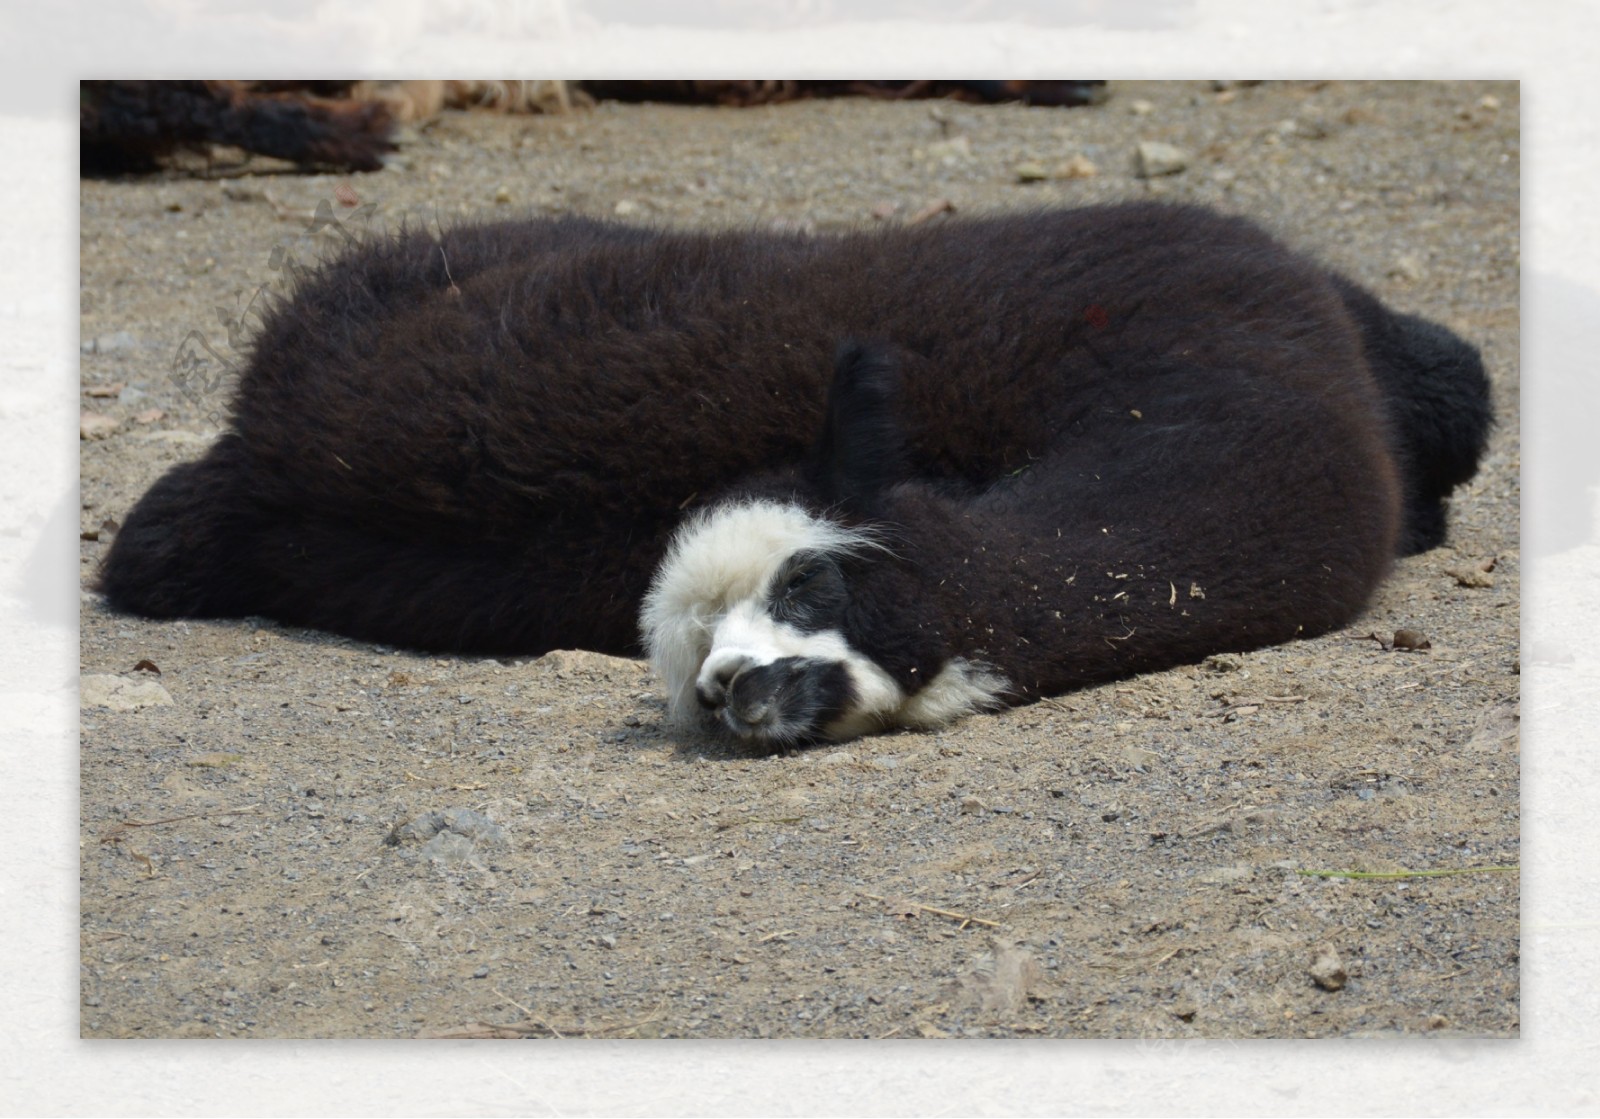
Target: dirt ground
{"type": "Point", "coordinates": [288, 834]}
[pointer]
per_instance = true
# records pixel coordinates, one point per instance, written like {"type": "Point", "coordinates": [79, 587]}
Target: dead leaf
{"type": "Point", "coordinates": [1411, 639]}
{"type": "Point", "coordinates": [147, 666]}
{"type": "Point", "coordinates": [932, 209]}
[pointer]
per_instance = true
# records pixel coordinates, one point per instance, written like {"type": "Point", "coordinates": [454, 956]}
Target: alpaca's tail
{"type": "Point", "coordinates": [1439, 409]}
{"type": "Point", "coordinates": [184, 551]}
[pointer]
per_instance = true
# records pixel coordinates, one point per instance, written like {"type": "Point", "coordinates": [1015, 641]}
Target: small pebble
{"type": "Point", "coordinates": [1406, 267]}
{"type": "Point", "coordinates": [1327, 970]}
{"type": "Point", "coordinates": [1078, 167]}
{"type": "Point", "coordinates": [1154, 158]}
{"type": "Point", "coordinates": [93, 425]}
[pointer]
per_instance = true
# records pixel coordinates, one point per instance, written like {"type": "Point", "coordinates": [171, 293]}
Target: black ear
{"type": "Point", "coordinates": [860, 452]}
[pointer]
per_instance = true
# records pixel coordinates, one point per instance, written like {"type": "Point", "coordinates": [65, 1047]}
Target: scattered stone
{"type": "Point", "coordinates": [1155, 158]}
{"type": "Point", "coordinates": [1031, 172]}
{"type": "Point", "coordinates": [1407, 267]}
{"type": "Point", "coordinates": [472, 828]}
{"type": "Point", "coordinates": [625, 207]}
{"type": "Point", "coordinates": [883, 211]}
{"type": "Point", "coordinates": [92, 425]}
{"type": "Point", "coordinates": [503, 195]}
{"type": "Point", "coordinates": [1477, 576]}
{"type": "Point", "coordinates": [1221, 662]}
{"type": "Point", "coordinates": [105, 392]}
{"type": "Point", "coordinates": [121, 694]}
{"type": "Point", "coordinates": [955, 150]}
{"type": "Point", "coordinates": [1141, 107]}
{"type": "Point", "coordinates": [971, 805]}
{"type": "Point", "coordinates": [1078, 167]}
{"type": "Point", "coordinates": [1327, 970]}
{"type": "Point", "coordinates": [148, 416]}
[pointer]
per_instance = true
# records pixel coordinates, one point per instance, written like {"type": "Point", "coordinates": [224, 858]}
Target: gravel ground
{"type": "Point", "coordinates": [287, 834]}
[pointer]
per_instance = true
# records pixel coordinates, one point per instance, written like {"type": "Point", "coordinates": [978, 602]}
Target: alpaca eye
{"type": "Point", "coordinates": [799, 579]}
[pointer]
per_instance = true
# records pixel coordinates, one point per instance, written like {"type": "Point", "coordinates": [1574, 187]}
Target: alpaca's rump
{"type": "Point", "coordinates": [1088, 420]}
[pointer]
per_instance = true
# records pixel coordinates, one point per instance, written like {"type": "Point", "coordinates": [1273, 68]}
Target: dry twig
{"type": "Point", "coordinates": [964, 918]}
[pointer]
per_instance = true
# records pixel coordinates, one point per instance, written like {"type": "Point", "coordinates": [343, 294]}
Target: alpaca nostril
{"type": "Point", "coordinates": [715, 681]}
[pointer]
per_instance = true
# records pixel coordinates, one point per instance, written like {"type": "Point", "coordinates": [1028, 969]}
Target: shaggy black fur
{"type": "Point", "coordinates": [128, 126]}
{"type": "Point", "coordinates": [1100, 441]}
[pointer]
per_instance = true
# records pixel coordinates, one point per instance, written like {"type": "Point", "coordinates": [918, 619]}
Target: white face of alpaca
{"type": "Point", "coordinates": [744, 623]}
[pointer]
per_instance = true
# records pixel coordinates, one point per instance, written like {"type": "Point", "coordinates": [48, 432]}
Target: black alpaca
{"type": "Point", "coordinates": [1054, 449]}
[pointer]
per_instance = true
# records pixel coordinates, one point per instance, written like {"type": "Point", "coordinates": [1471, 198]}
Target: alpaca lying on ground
{"type": "Point", "coordinates": [847, 482]}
